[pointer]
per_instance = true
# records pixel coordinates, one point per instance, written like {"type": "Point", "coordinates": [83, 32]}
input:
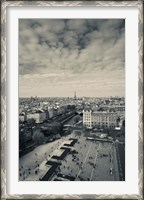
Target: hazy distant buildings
{"type": "Point", "coordinates": [115, 108]}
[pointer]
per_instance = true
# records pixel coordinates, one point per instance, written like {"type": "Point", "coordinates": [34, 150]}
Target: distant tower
{"type": "Point", "coordinates": [75, 95]}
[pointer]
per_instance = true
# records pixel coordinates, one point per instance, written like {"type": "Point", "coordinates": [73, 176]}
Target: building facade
{"type": "Point", "coordinates": [52, 112]}
{"type": "Point", "coordinates": [38, 117]}
{"type": "Point", "coordinates": [100, 119]}
{"type": "Point", "coordinates": [22, 118]}
{"type": "Point", "coordinates": [87, 118]}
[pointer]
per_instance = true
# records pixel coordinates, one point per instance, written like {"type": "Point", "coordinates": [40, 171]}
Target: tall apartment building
{"type": "Point", "coordinates": [87, 118]}
{"type": "Point", "coordinates": [100, 119]}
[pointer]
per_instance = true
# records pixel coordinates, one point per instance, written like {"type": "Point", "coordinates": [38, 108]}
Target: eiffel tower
{"type": "Point", "coordinates": [75, 95]}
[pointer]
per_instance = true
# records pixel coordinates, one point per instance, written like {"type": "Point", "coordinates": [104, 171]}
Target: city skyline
{"type": "Point", "coordinates": [60, 56]}
{"type": "Point", "coordinates": [104, 97]}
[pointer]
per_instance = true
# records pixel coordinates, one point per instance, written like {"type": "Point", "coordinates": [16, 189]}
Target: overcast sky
{"type": "Point", "coordinates": [58, 57]}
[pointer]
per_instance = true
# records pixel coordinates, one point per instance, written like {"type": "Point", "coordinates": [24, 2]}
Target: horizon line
{"type": "Point", "coordinates": [71, 97]}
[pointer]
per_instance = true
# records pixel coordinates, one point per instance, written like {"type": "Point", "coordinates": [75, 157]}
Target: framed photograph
{"type": "Point", "coordinates": [72, 100]}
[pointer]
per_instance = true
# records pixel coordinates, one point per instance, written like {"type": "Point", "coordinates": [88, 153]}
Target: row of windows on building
{"type": "Point", "coordinates": [104, 119]}
{"type": "Point", "coordinates": [89, 124]}
{"type": "Point", "coordinates": [99, 118]}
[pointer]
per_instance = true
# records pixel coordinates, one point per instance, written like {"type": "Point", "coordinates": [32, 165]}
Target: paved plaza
{"type": "Point", "coordinates": [85, 160]}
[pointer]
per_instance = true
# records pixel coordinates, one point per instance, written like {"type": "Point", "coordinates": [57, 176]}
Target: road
{"type": "Point", "coordinates": [91, 176]}
{"type": "Point", "coordinates": [121, 159]}
{"type": "Point", "coordinates": [84, 160]}
{"type": "Point", "coordinates": [72, 120]}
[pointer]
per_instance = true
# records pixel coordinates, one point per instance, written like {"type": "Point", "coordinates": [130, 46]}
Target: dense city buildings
{"type": "Point", "coordinates": [72, 124]}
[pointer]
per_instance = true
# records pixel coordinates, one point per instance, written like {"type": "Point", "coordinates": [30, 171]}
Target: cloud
{"type": "Point", "coordinates": [72, 52]}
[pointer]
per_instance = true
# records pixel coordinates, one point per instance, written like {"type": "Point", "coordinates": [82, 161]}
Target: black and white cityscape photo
{"type": "Point", "coordinates": [71, 100]}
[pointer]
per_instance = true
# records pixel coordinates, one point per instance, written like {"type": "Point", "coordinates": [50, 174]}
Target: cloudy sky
{"type": "Point", "coordinates": [58, 57]}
